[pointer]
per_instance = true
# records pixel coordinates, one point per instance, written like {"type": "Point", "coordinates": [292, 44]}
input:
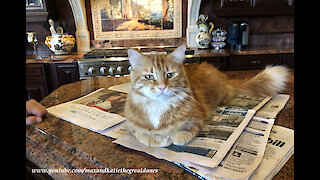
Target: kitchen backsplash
{"type": "Point", "coordinates": [140, 42]}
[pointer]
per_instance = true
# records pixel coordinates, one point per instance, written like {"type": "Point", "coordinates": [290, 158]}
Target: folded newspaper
{"type": "Point", "coordinates": [231, 145]}
{"type": "Point", "coordinates": [95, 111]}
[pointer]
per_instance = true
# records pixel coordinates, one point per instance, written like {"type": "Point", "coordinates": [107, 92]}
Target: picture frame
{"type": "Point", "coordinates": [136, 19]}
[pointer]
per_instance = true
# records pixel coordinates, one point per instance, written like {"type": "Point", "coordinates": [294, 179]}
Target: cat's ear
{"type": "Point", "coordinates": [135, 58]}
{"type": "Point", "coordinates": [178, 55]}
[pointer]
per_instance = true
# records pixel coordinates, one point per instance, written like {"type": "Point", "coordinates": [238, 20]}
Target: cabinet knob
{"type": "Point", "coordinates": [255, 62]}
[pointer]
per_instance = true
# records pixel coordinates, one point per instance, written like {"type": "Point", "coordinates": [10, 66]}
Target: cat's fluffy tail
{"type": "Point", "coordinates": [267, 83]}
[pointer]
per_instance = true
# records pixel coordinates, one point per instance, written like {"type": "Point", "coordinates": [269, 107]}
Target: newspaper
{"type": "Point", "coordinates": [273, 159]}
{"type": "Point", "coordinates": [216, 138]}
{"type": "Point", "coordinates": [227, 147]}
{"type": "Point", "coordinates": [94, 111]}
{"type": "Point", "coordinates": [240, 162]}
{"type": "Point", "coordinates": [279, 149]}
{"type": "Point", "coordinates": [121, 88]}
{"type": "Point", "coordinates": [243, 158]}
{"type": "Point", "coordinates": [274, 106]}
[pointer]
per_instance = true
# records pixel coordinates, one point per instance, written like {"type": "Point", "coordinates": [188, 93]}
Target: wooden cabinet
{"type": "Point", "coordinates": [36, 83]}
{"type": "Point", "coordinates": [219, 62]}
{"type": "Point", "coordinates": [43, 78]}
{"type": "Point", "coordinates": [243, 62]}
{"type": "Point", "coordinates": [253, 7]}
{"type": "Point", "coordinates": [36, 11]}
{"type": "Point", "coordinates": [247, 62]}
{"type": "Point", "coordinates": [63, 73]}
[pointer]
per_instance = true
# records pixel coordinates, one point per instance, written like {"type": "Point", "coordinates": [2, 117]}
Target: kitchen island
{"type": "Point", "coordinates": [55, 143]}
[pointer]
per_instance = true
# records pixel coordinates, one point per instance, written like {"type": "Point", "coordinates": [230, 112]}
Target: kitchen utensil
{"type": "Point", "coordinates": [52, 27]}
{"type": "Point", "coordinates": [59, 30]}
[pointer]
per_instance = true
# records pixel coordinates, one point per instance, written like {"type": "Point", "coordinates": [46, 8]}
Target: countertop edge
{"type": "Point", "coordinates": [203, 53]}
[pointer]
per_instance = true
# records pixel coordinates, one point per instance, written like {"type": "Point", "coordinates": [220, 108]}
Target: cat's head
{"type": "Point", "coordinates": [158, 76]}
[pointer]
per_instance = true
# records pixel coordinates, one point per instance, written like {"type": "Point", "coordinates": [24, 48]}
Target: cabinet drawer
{"type": "Point", "coordinates": [253, 61]}
{"type": "Point", "coordinates": [35, 70]}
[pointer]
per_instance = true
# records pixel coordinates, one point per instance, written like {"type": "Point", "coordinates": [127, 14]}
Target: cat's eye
{"type": "Point", "coordinates": [149, 77]}
{"type": "Point", "coordinates": [170, 75]}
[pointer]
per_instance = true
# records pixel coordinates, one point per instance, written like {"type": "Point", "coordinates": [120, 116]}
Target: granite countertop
{"type": "Point", "coordinates": [56, 58]}
{"type": "Point", "coordinates": [55, 143]}
{"type": "Point", "coordinates": [202, 53]}
{"type": "Point", "coordinates": [247, 51]}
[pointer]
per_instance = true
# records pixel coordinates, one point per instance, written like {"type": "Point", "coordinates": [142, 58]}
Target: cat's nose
{"type": "Point", "coordinates": [161, 87]}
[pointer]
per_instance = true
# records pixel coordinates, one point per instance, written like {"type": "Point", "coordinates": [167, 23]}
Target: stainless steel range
{"type": "Point", "coordinates": [115, 62]}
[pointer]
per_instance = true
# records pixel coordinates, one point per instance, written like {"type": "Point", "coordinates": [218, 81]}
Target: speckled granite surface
{"type": "Point", "coordinates": [55, 143]}
{"type": "Point", "coordinates": [204, 53]}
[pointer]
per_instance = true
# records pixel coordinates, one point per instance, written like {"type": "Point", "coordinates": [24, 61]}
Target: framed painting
{"type": "Point", "coordinates": [136, 19]}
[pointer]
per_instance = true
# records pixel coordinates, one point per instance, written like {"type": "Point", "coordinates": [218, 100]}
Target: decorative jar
{"type": "Point", "coordinates": [60, 43]}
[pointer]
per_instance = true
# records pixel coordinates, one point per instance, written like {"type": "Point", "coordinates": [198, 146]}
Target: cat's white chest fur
{"type": "Point", "coordinates": [156, 108]}
{"type": "Point", "coordinates": [155, 118]}
{"type": "Point", "coordinates": [155, 111]}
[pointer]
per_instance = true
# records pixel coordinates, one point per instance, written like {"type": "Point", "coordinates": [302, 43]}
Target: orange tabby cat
{"type": "Point", "coordinates": [168, 101]}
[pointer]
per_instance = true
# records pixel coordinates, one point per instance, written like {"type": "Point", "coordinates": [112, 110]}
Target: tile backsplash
{"type": "Point", "coordinates": [140, 42]}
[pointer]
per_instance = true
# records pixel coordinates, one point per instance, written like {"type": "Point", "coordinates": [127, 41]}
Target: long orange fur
{"type": "Point", "coordinates": [163, 110]}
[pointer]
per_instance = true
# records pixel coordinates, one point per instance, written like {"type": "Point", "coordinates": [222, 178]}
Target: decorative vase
{"type": "Point", "coordinates": [60, 43]}
{"type": "Point", "coordinates": [203, 39]}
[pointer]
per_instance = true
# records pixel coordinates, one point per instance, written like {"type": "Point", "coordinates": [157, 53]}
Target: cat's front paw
{"type": "Point", "coordinates": [182, 138]}
{"type": "Point", "coordinates": [154, 140]}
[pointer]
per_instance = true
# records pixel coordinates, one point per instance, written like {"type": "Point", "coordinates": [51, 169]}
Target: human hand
{"type": "Point", "coordinates": [34, 112]}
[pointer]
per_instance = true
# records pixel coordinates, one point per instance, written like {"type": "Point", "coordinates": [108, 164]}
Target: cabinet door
{"type": "Point", "coordinates": [36, 11]}
{"type": "Point", "coordinates": [254, 7]}
{"type": "Point", "coordinates": [36, 83]}
{"type": "Point", "coordinates": [63, 73]}
{"type": "Point", "coordinates": [244, 62]}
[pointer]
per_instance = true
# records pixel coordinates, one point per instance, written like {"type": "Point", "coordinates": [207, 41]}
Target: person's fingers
{"type": "Point", "coordinates": [38, 119]}
{"type": "Point", "coordinates": [33, 120]}
{"type": "Point", "coordinates": [35, 108]}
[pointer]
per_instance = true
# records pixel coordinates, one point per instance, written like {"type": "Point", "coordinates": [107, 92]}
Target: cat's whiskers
{"type": "Point", "coordinates": [183, 99]}
{"type": "Point", "coordinates": [185, 90]}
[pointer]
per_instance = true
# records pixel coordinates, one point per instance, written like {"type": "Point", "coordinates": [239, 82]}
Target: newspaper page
{"type": "Point", "coordinates": [121, 88]}
{"type": "Point", "coordinates": [279, 149]}
{"type": "Point", "coordinates": [216, 138]}
{"type": "Point", "coordinates": [274, 106]}
{"type": "Point", "coordinates": [94, 111]}
{"type": "Point", "coordinates": [272, 160]}
{"type": "Point", "coordinates": [240, 162]}
{"type": "Point", "coordinates": [245, 155]}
